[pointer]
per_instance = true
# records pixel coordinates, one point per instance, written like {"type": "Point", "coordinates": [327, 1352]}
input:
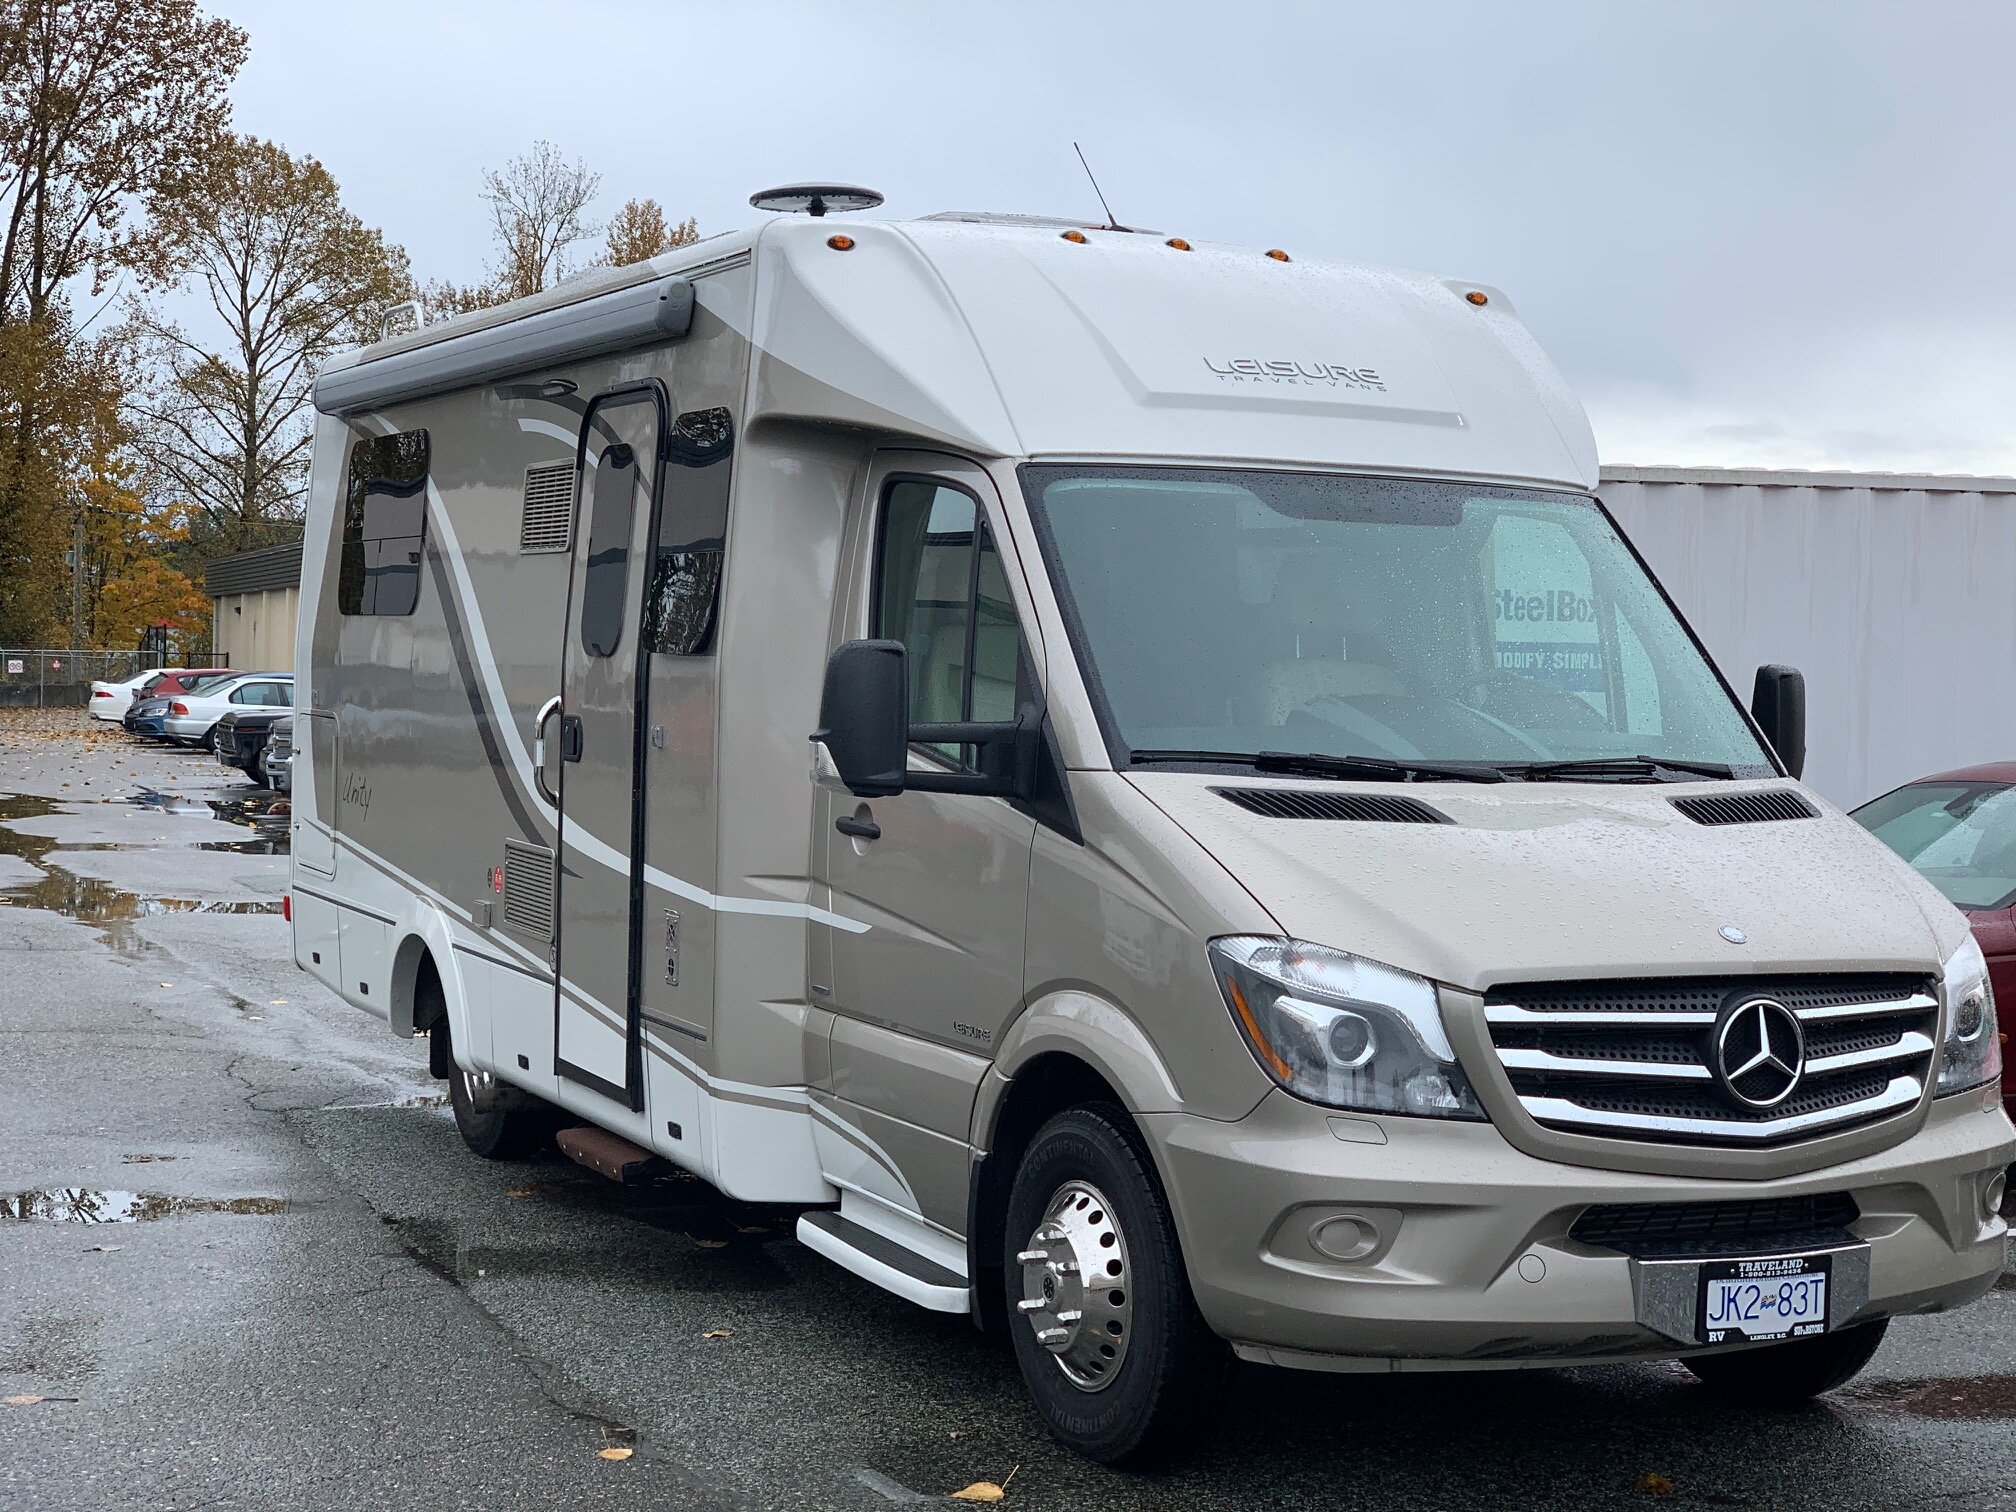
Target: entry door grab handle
{"type": "Point", "coordinates": [860, 829]}
{"type": "Point", "coordinates": [546, 711]}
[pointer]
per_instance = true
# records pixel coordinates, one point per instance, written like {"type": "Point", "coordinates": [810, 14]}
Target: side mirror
{"type": "Point", "coordinates": [864, 716]}
{"type": "Point", "coordinates": [1778, 704]}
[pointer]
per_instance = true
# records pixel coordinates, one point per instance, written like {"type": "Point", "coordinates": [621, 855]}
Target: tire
{"type": "Point", "coordinates": [1789, 1373]}
{"type": "Point", "coordinates": [1128, 1381]}
{"type": "Point", "coordinates": [209, 740]}
{"type": "Point", "coordinates": [498, 1122]}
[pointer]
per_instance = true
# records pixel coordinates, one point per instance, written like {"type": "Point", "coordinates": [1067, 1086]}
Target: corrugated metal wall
{"type": "Point", "coordinates": [1896, 602]}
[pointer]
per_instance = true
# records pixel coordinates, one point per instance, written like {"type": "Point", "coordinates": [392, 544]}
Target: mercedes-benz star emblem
{"type": "Point", "coordinates": [1760, 1052]}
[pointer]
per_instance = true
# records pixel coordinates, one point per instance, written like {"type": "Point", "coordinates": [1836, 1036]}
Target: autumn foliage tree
{"type": "Point", "coordinates": [639, 232]}
{"type": "Point", "coordinates": [107, 107]}
{"type": "Point", "coordinates": [538, 207]}
{"type": "Point", "coordinates": [290, 276]}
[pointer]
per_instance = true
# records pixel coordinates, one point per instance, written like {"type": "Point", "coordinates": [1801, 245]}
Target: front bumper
{"type": "Point", "coordinates": [1460, 1254]}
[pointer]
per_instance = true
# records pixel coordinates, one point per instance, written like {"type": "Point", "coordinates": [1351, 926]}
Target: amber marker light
{"type": "Point", "coordinates": [1075, 236]}
{"type": "Point", "coordinates": [1277, 254]}
{"type": "Point", "coordinates": [1267, 1052]}
{"type": "Point", "coordinates": [1178, 243]}
{"type": "Point", "coordinates": [1478, 297]}
{"type": "Point", "coordinates": [840, 243]}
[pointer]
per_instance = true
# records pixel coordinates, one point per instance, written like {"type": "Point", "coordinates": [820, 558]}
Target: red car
{"type": "Point", "coordinates": [1959, 830]}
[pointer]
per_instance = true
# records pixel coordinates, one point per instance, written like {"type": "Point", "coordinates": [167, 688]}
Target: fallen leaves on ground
{"type": "Point", "coordinates": [25, 1399]}
{"type": "Point", "coordinates": [103, 1249]}
{"type": "Point", "coordinates": [980, 1491]}
{"type": "Point", "coordinates": [615, 1452]}
{"type": "Point", "coordinates": [719, 1333]}
{"type": "Point", "coordinates": [1652, 1483]}
{"type": "Point", "coordinates": [712, 1243]}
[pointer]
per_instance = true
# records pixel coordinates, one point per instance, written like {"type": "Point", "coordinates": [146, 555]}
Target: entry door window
{"type": "Point", "coordinates": [941, 590]}
{"type": "Point", "coordinates": [608, 572]}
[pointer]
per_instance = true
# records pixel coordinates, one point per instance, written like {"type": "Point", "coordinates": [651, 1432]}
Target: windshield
{"type": "Point", "coordinates": [1960, 835]}
{"type": "Point", "coordinates": [1256, 611]}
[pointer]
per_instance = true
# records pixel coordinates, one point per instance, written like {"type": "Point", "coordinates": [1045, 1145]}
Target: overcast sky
{"type": "Point", "coordinates": [1758, 234]}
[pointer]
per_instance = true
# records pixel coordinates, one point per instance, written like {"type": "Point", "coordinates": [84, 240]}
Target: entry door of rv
{"type": "Point", "coordinates": [595, 1030]}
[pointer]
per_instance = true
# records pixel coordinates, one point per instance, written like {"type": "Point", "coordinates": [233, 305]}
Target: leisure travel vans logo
{"type": "Point", "coordinates": [1285, 370]}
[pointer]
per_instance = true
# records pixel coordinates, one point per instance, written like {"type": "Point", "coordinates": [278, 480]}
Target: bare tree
{"type": "Point", "coordinates": [638, 232]}
{"type": "Point", "coordinates": [538, 213]}
{"type": "Point", "coordinates": [291, 276]}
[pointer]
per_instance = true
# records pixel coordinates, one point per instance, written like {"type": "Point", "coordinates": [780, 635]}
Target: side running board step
{"type": "Point", "coordinates": [607, 1155]}
{"type": "Point", "coordinates": [882, 1260]}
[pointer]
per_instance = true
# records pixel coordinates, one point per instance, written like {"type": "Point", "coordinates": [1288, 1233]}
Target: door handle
{"type": "Point", "coordinates": [539, 721]}
{"type": "Point", "coordinates": [570, 737]}
{"type": "Point", "coordinates": [860, 829]}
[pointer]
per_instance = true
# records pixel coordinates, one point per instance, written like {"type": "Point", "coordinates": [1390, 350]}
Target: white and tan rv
{"type": "Point", "coordinates": [1136, 782]}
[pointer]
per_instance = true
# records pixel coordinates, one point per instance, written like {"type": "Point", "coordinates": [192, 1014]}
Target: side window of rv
{"type": "Point", "coordinates": [384, 525]}
{"type": "Point", "coordinates": [684, 594]}
{"type": "Point", "coordinates": [940, 588]}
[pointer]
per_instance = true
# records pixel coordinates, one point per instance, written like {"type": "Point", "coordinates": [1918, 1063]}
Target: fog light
{"type": "Point", "coordinates": [1993, 1192]}
{"type": "Point", "coordinates": [1345, 1238]}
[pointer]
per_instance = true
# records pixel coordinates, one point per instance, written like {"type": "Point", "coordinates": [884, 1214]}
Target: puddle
{"type": "Point", "coordinates": [1968, 1399]}
{"type": "Point", "coordinates": [92, 900]}
{"type": "Point", "coordinates": [99, 1205]}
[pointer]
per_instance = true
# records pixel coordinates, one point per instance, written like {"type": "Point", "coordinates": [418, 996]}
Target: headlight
{"type": "Point", "coordinates": [1341, 1031]}
{"type": "Point", "coordinates": [1971, 1054]}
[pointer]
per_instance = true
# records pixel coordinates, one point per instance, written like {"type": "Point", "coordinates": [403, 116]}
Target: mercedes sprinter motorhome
{"type": "Point", "coordinates": [1271, 873]}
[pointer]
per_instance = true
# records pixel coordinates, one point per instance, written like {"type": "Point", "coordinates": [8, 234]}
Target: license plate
{"type": "Point", "coordinates": [1781, 1298]}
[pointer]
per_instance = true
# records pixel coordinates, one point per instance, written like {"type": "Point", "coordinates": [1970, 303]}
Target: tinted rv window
{"type": "Point", "coordinates": [384, 525]}
{"type": "Point", "coordinates": [615, 497]}
{"type": "Point", "coordinates": [685, 588]}
{"type": "Point", "coordinates": [941, 590]}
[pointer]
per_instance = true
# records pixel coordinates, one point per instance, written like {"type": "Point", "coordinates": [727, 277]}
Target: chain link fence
{"type": "Point", "coordinates": [54, 679]}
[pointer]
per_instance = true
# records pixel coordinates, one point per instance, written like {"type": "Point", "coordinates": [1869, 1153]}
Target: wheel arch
{"type": "Point", "coordinates": [427, 946]}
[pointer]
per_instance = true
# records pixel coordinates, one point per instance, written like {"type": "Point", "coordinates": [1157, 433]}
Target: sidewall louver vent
{"type": "Point", "coordinates": [1361, 808]}
{"type": "Point", "coordinates": [1773, 806]}
{"type": "Point", "coordinates": [528, 891]}
{"type": "Point", "coordinates": [547, 523]}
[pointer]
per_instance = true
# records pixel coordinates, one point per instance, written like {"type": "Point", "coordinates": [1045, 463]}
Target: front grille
{"type": "Point", "coordinates": [1637, 1060]}
{"type": "Point", "coordinates": [1364, 808]}
{"type": "Point", "coordinates": [1748, 1226]}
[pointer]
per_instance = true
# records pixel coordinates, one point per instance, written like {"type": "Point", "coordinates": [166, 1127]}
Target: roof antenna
{"type": "Point", "coordinates": [1111, 224]}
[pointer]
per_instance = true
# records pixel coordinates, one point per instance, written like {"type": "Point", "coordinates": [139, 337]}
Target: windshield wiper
{"type": "Point", "coordinates": [1625, 767]}
{"type": "Point", "coordinates": [1315, 764]}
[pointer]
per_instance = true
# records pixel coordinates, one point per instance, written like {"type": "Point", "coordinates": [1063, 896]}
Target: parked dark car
{"type": "Point", "coordinates": [240, 739]}
{"type": "Point", "coordinates": [278, 763]}
{"type": "Point", "coordinates": [1959, 830]}
{"type": "Point", "coordinates": [145, 715]}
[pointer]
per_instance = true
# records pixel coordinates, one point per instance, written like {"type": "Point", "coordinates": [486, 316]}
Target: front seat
{"type": "Point", "coordinates": [1329, 649]}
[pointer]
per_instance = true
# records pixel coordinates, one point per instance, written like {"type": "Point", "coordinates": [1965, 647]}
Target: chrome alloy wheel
{"type": "Point", "coordinates": [1076, 1285]}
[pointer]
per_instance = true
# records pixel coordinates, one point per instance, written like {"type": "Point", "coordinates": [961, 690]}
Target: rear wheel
{"type": "Point", "coordinates": [209, 740]}
{"type": "Point", "coordinates": [1108, 1337]}
{"type": "Point", "coordinates": [1791, 1372]}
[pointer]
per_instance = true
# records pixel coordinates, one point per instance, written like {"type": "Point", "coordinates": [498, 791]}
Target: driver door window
{"type": "Point", "coordinates": [940, 588]}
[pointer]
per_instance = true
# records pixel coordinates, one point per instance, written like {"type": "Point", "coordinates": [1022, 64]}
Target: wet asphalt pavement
{"type": "Point", "coordinates": [246, 1262]}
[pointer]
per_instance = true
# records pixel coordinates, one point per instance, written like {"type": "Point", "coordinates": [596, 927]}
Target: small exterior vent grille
{"type": "Point", "coordinates": [1768, 807]}
{"type": "Point", "coordinates": [1742, 1226]}
{"type": "Point", "coordinates": [528, 891]}
{"type": "Point", "coordinates": [548, 521]}
{"type": "Point", "coordinates": [1364, 808]}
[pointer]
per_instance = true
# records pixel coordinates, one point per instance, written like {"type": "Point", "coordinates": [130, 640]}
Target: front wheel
{"type": "Point", "coordinates": [1105, 1329]}
{"type": "Point", "coordinates": [1793, 1371]}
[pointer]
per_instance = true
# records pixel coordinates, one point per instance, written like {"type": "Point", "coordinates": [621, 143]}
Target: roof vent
{"type": "Point", "coordinates": [815, 199]}
{"type": "Point", "coordinates": [1767, 807]}
{"type": "Point", "coordinates": [1363, 808]}
{"type": "Point", "coordinates": [548, 520]}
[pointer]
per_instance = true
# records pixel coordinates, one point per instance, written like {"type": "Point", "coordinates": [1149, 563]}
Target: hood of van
{"type": "Point", "coordinates": [1532, 881]}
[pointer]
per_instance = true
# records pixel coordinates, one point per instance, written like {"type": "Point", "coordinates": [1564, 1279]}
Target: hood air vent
{"type": "Point", "coordinates": [548, 521]}
{"type": "Point", "coordinates": [1363, 808]}
{"type": "Point", "coordinates": [1747, 808]}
